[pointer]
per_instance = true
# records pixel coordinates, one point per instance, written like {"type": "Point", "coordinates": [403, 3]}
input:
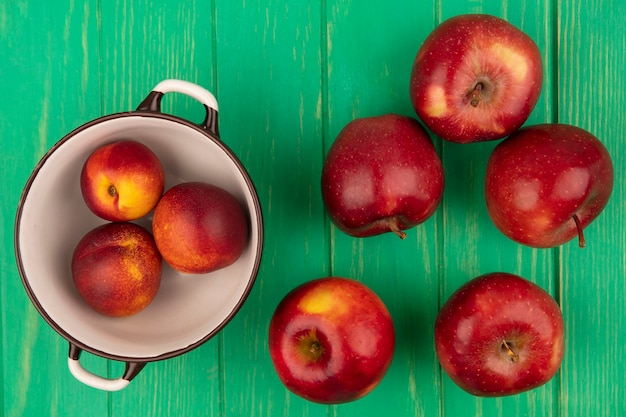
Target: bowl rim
{"type": "Point", "coordinates": [210, 135]}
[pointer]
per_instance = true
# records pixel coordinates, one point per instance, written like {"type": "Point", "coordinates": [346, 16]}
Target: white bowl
{"type": "Point", "coordinates": [52, 217]}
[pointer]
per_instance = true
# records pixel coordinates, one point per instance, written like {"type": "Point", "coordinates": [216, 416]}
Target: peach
{"type": "Point", "coordinates": [122, 181]}
{"type": "Point", "coordinates": [199, 227]}
{"type": "Point", "coordinates": [116, 269]}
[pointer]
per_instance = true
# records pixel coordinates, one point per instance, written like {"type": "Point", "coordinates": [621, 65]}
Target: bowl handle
{"type": "Point", "coordinates": [153, 101]}
{"type": "Point", "coordinates": [95, 381]}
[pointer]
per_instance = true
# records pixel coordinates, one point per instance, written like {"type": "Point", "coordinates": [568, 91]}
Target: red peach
{"type": "Point", "coordinates": [199, 227]}
{"type": "Point", "coordinates": [122, 181]}
{"type": "Point", "coordinates": [116, 268]}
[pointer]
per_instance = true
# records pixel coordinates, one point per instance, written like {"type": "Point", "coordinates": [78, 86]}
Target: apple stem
{"type": "Point", "coordinates": [579, 227]}
{"type": "Point", "coordinates": [512, 355]}
{"type": "Point", "coordinates": [393, 225]}
{"type": "Point", "coordinates": [315, 348]}
{"type": "Point", "coordinates": [310, 345]}
{"type": "Point", "coordinates": [112, 190]}
{"type": "Point", "coordinates": [475, 95]}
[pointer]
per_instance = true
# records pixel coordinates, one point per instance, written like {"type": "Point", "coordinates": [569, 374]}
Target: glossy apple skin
{"type": "Point", "coordinates": [331, 340]}
{"type": "Point", "coordinates": [540, 177]}
{"type": "Point", "coordinates": [122, 181]}
{"type": "Point", "coordinates": [382, 174]}
{"type": "Point", "coordinates": [199, 228]}
{"type": "Point", "coordinates": [473, 323]}
{"type": "Point", "coordinates": [461, 53]}
{"type": "Point", "coordinates": [116, 269]}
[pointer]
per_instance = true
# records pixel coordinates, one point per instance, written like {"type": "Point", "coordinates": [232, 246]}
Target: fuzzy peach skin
{"type": "Point", "coordinates": [122, 181]}
{"type": "Point", "coordinates": [199, 228]}
{"type": "Point", "coordinates": [116, 269]}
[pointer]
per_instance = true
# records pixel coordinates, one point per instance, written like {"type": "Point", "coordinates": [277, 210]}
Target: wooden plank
{"type": "Point", "coordinates": [472, 245]}
{"type": "Point", "coordinates": [370, 55]}
{"type": "Point", "coordinates": [50, 85]}
{"type": "Point", "coordinates": [288, 76]}
{"type": "Point", "coordinates": [269, 88]}
{"type": "Point", "coordinates": [141, 45]}
{"type": "Point", "coordinates": [592, 94]}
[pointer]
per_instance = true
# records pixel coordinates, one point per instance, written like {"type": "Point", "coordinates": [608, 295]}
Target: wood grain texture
{"type": "Point", "coordinates": [288, 76]}
{"type": "Point", "coordinates": [403, 272]}
{"type": "Point", "coordinates": [592, 95]}
{"type": "Point", "coordinates": [473, 245]}
{"type": "Point", "coordinates": [269, 89]}
{"type": "Point", "coordinates": [143, 42]}
{"type": "Point", "coordinates": [49, 83]}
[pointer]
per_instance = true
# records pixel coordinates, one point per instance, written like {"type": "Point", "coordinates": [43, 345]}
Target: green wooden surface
{"type": "Point", "coordinates": [288, 76]}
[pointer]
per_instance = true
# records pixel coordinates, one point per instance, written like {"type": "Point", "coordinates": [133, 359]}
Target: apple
{"type": "Point", "coordinates": [545, 183]}
{"type": "Point", "coordinates": [199, 227]}
{"type": "Point", "coordinates": [476, 77]}
{"type": "Point", "coordinates": [122, 181]}
{"type": "Point", "coordinates": [381, 174]}
{"type": "Point", "coordinates": [116, 269]}
{"type": "Point", "coordinates": [499, 334]}
{"type": "Point", "coordinates": [331, 340]}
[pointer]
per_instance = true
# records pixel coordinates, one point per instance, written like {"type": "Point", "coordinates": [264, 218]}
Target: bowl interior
{"type": "Point", "coordinates": [188, 309]}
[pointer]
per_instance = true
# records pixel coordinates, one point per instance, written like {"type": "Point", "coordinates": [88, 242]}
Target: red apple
{"type": "Point", "coordinates": [544, 184]}
{"type": "Point", "coordinates": [476, 77]}
{"type": "Point", "coordinates": [122, 181]}
{"type": "Point", "coordinates": [199, 227]}
{"type": "Point", "coordinates": [498, 335]}
{"type": "Point", "coordinates": [331, 340]}
{"type": "Point", "coordinates": [382, 174]}
{"type": "Point", "coordinates": [116, 269]}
